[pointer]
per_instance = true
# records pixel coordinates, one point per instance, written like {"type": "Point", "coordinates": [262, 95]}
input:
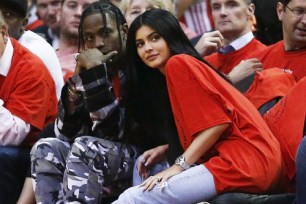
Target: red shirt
{"type": "Point", "coordinates": [286, 120]}
{"type": "Point", "coordinates": [226, 62]}
{"type": "Point", "coordinates": [276, 56]}
{"type": "Point", "coordinates": [269, 84]}
{"type": "Point", "coordinates": [28, 91]}
{"type": "Point", "coordinates": [247, 157]}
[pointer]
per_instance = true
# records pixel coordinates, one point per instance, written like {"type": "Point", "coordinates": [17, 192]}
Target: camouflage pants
{"type": "Point", "coordinates": [86, 171]}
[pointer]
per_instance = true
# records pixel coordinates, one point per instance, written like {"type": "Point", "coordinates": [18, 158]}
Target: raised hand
{"type": "Point", "coordinates": [209, 42]}
{"type": "Point", "coordinates": [92, 57]}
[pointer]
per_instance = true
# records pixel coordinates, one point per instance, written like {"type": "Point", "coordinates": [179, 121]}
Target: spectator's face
{"type": "Point", "coordinates": [49, 12]}
{"type": "Point", "coordinates": [232, 17]}
{"type": "Point", "coordinates": [294, 25]}
{"type": "Point", "coordinates": [71, 15]}
{"type": "Point", "coordinates": [152, 48]}
{"type": "Point", "coordinates": [15, 21]}
{"type": "Point", "coordinates": [136, 8]}
{"type": "Point", "coordinates": [106, 39]}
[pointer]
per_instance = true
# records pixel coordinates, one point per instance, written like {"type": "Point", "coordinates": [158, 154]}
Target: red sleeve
{"type": "Point", "coordinates": [195, 103]}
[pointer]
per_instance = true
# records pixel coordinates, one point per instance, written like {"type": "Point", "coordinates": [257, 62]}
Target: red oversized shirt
{"type": "Point", "coordinates": [247, 157]}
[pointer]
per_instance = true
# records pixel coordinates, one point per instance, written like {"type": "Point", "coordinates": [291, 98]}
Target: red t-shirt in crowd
{"type": "Point", "coordinates": [28, 91]}
{"type": "Point", "coordinates": [286, 120]}
{"type": "Point", "coordinates": [269, 84]}
{"type": "Point", "coordinates": [276, 56]}
{"type": "Point", "coordinates": [247, 157]}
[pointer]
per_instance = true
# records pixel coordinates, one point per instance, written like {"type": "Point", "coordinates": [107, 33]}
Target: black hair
{"type": "Point", "coordinates": [147, 99]}
{"type": "Point", "coordinates": [102, 7]}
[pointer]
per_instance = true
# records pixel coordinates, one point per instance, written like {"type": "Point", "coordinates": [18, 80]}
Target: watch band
{"type": "Point", "coordinates": [180, 161]}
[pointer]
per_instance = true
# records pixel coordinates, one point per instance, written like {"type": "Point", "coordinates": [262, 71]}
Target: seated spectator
{"type": "Point", "coordinates": [289, 53]}
{"type": "Point", "coordinates": [218, 139]}
{"type": "Point", "coordinates": [49, 12]}
{"type": "Point", "coordinates": [28, 102]}
{"type": "Point", "coordinates": [233, 22]}
{"type": "Point", "coordinates": [91, 117]}
{"type": "Point", "coordinates": [132, 8]}
{"type": "Point", "coordinates": [14, 13]}
{"type": "Point", "coordinates": [71, 11]}
{"type": "Point", "coordinates": [234, 41]}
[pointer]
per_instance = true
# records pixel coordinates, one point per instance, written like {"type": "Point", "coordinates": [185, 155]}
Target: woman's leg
{"type": "Point", "coordinates": [98, 168]}
{"type": "Point", "coordinates": [48, 160]}
{"type": "Point", "coordinates": [191, 186]}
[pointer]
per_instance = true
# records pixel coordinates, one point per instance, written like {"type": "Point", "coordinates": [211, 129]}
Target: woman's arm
{"type": "Point", "coordinates": [200, 145]}
{"type": "Point", "coordinates": [203, 142]}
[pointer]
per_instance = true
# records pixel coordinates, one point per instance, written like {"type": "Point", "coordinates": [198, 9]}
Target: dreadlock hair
{"type": "Point", "coordinates": [103, 7]}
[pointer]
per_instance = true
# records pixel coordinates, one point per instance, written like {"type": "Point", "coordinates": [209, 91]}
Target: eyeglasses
{"type": "Point", "coordinates": [298, 12]}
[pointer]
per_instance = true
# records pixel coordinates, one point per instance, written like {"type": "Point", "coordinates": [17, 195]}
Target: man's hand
{"type": "Point", "coordinates": [244, 69]}
{"type": "Point", "coordinates": [90, 58]}
{"type": "Point", "coordinates": [209, 42]}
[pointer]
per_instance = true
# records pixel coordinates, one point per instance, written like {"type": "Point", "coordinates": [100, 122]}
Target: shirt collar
{"type": "Point", "coordinates": [242, 41]}
{"type": "Point", "coordinates": [6, 59]}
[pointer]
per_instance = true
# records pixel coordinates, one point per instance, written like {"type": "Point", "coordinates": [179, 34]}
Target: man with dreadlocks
{"type": "Point", "coordinates": [90, 157]}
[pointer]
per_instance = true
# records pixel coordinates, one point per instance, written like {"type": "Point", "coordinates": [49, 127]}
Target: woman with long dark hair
{"type": "Point", "coordinates": [227, 145]}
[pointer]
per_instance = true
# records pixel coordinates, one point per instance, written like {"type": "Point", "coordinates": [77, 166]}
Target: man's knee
{"type": "Point", "coordinates": [47, 153]}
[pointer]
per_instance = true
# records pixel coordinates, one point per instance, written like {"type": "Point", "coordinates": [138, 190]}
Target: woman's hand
{"type": "Point", "coordinates": [161, 178]}
{"type": "Point", "coordinates": [203, 141]}
{"type": "Point", "coordinates": [149, 158]}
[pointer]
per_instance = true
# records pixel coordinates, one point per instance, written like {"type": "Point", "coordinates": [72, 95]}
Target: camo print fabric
{"type": "Point", "coordinates": [48, 166]}
{"type": "Point", "coordinates": [95, 168]}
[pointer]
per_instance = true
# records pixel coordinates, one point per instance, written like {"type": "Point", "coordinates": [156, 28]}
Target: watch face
{"type": "Point", "coordinates": [181, 162]}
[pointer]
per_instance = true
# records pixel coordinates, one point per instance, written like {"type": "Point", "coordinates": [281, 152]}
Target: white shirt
{"type": "Point", "coordinates": [13, 130]}
{"type": "Point", "coordinates": [46, 53]}
{"type": "Point", "coordinates": [242, 41]}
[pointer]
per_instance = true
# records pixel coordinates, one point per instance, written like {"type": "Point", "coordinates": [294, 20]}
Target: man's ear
{"type": "Point", "coordinates": [280, 10]}
{"type": "Point", "coordinates": [251, 10]}
{"type": "Point", "coordinates": [24, 23]}
{"type": "Point", "coordinates": [124, 30]}
{"type": "Point", "coordinates": [4, 34]}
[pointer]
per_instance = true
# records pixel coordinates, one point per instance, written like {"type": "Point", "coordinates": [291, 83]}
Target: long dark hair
{"type": "Point", "coordinates": [140, 76]}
